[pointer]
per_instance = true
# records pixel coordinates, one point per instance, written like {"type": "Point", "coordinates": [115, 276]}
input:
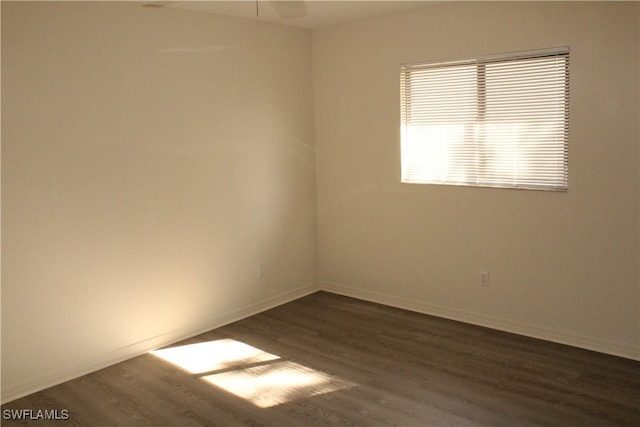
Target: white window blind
{"type": "Point", "coordinates": [495, 121]}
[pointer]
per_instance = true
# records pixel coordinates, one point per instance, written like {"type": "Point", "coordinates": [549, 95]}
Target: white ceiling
{"type": "Point", "coordinates": [303, 14]}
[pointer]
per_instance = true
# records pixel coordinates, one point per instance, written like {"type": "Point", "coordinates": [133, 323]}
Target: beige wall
{"type": "Point", "coordinates": [563, 266]}
{"type": "Point", "coordinates": [151, 159]}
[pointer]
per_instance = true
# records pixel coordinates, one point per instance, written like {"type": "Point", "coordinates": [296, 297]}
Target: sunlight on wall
{"type": "Point", "coordinates": [262, 378]}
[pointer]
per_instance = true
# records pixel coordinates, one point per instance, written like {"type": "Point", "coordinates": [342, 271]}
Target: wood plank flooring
{"type": "Point", "coordinates": [329, 360]}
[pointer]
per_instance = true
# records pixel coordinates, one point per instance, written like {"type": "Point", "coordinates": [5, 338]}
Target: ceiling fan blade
{"type": "Point", "coordinates": [159, 3]}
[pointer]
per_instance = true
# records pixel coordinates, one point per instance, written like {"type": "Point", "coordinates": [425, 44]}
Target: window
{"type": "Point", "coordinates": [494, 121]}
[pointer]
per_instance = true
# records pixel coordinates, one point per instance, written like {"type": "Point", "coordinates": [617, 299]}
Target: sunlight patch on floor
{"type": "Point", "coordinates": [276, 383]}
{"type": "Point", "coordinates": [262, 378]}
{"type": "Point", "coordinates": [213, 355]}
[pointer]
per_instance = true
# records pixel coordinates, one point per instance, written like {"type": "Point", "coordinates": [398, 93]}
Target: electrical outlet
{"type": "Point", "coordinates": [484, 278]}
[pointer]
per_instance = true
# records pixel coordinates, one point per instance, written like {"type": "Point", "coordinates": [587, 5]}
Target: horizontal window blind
{"type": "Point", "coordinates": [496, 121]}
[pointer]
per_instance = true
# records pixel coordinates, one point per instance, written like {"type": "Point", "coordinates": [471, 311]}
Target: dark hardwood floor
{"type": "Point", "coordinates": [335, 361]}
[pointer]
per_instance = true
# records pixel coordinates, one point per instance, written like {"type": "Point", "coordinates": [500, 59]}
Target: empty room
{"type": "Point", "coordinates": [295, 213]}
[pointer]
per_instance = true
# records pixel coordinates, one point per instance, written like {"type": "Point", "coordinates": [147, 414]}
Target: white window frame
{"type": "Point", "coordinates": [492, 121]}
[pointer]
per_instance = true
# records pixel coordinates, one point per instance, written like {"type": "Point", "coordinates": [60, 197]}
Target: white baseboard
{"type": "Point", "coordinates": [17, 390]}
{"type": "Point", "coordinates": [548, 334]}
